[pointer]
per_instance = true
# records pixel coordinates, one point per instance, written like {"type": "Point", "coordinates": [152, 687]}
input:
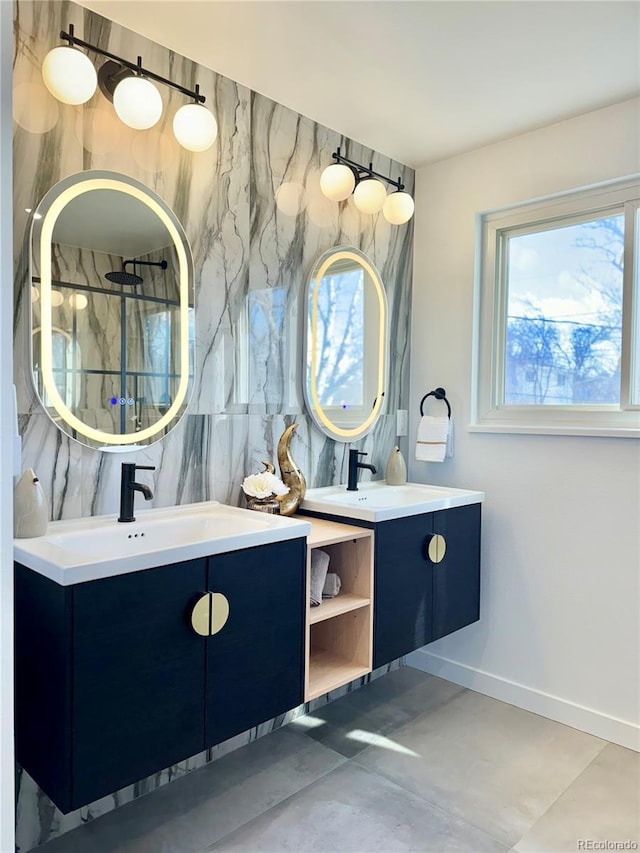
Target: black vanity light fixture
{"type": "Point", "coordinates": [71, 77]}
{"type": "Point", "coordinates": [344, 177]}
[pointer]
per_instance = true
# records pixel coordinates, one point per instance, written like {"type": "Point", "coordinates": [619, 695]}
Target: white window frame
{"type": "Point", "coordinates": [488, 412]}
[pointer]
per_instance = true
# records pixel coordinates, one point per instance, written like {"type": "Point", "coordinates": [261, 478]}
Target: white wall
{"type": "Point", "coordinates": [6, 479]}
{"type": "Point", "coordinates": [560, 629]}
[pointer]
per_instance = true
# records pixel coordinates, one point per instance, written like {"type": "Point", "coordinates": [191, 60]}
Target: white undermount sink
{"type": "Point", "coordinates": [377, 501]}
{"type": "Point", "coordinates": [89, 548]}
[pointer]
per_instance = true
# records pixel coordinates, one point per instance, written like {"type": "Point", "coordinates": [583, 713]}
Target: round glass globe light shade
{"type": "Point", "coordinates": [369, 195]}
{"type": "Point", "coordinates": [195, 127]}
{"type": "Point", "coordinates": [78, 301]}
{"type": "Point", "coordinates": [34, 107]}
{"type": "Point", "coordinates": [56, 298]}
{"type": "Point", "coordinates": [398, 208]}
{"type": "Point", "coordinates": [137, 103]}
{"type": "Point", "coordinates": [69, 75]}
{"type": "Point", "coordinates": [291, 198]}
{"type": "Point", "coordinates": [337, 182]}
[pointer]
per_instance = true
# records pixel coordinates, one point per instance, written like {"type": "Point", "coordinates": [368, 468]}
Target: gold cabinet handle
{"type": "Point", "coordinates": [437, 548]}
{"type": "Point", "coordinates": [201, 615]}
{"type": "Point", "coordinates": [219, 612]}
{"type": "Point", "coordinates": [210, 614]}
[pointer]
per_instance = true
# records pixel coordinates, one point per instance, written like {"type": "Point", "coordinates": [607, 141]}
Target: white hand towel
{"type": "Point", "coordinates": [319, 567]}
{"type": "Point", "coordinates": [431, 443]}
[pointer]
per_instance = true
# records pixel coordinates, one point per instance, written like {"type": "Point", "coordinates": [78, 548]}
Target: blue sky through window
{"type": "Point", "coordinates": [564, 314]}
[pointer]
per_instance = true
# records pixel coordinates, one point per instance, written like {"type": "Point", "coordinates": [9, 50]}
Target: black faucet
{"type": "Point", "coordinates": [354, 465]}
{"type": "Point", "coordinates": [128, 488]}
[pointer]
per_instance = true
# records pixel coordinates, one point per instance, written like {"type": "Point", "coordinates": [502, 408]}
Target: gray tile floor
{"type": "Point", "coordinates": [408, 763]}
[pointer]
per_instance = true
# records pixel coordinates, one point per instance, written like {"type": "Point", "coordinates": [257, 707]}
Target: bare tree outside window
{"type": "Point", "coordinates": [564, 314]}
{"type": "Point", "coordinates": [340, 336]}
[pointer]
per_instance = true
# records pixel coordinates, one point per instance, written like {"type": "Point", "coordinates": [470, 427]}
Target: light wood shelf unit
{"type": "Point", "coordinates": [331, 672]}
{"type": "Point", "coordinates": [339, 632]}
{"type": "Point", "coordinates": [342, 603]}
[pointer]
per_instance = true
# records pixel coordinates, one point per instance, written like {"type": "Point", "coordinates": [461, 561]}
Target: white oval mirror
{"type": "Point", "coordinates": [346, 344]}
{"type": "Point", "coordinates": [111, 311]}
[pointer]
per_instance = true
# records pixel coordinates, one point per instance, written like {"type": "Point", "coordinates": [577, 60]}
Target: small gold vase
{"type": "Point", "coordinates": [270, 504]}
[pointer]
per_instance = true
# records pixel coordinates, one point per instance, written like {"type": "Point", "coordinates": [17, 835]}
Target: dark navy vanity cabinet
{"type": "Point", "coordinates": [427, 577]}
{"type": "Point", "coordinates": [255, 664]}
{"type": "Point", "coordinates": [403, 591]}
{"type": "Point", "coordinates": [422, 594]}
{"type": "Point", "coordinates": [123, 676]}
{"type": "Point", "coordinates": [456, 578]}
{"type": "Point", "coordinates": [113, 683]}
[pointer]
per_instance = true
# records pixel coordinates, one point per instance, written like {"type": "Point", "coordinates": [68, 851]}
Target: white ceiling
{"type": "Point", "coordinates": [417, 80]}
{"type": "Point", "coordinates": [127, 227]}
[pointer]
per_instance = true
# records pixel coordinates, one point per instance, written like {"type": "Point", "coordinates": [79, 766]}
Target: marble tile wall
{"type": "Point", "coordinates": [242, 243]}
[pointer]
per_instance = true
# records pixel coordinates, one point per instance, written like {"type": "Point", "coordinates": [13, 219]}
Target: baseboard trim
{"type": "Point", "coordinates": [553, 707]}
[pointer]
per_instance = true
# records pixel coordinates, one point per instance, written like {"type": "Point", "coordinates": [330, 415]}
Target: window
{"type": "Point", "coordinates": [558, 315]}
{"type": "Point", "coordinates": [341, 333]}
{"type": "Point", "coordinates": [66, 367]}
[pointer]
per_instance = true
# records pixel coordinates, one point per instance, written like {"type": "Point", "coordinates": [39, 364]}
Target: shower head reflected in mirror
{"type": "Point", "coordinates": [131, 279]}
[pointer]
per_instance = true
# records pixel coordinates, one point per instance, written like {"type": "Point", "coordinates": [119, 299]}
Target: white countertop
{"type": "Point", "coordinates": [376, 501]}
{"type": "Point", "coordinates": [86, 549]}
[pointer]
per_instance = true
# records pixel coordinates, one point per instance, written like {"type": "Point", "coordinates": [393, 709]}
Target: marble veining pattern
{"type": "Point", "coordinates": [249, 240]}
{"type": "Point", "coordinates": [242, 244]}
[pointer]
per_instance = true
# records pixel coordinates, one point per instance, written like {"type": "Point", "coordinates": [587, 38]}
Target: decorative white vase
{"type": "Point", "coordinates": [396, 471]}
{"type": "Point", "coordinates": [30, 510]}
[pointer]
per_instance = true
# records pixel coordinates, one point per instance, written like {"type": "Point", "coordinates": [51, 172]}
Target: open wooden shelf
{"type": "Point", "coordinates": [328, 671]}
{"type": "Point", "coordinates": [342, 603]}
{"type": "Point", "coordinates": [324, 532]}
{"type": "Point", "coordinates": [339, 632]}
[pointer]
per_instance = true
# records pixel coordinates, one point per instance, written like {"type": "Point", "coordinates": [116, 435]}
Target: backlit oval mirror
{"type": "Point", "coordinates": [111, 311]}
{"type": "Point", "coordinates": [346, 344]}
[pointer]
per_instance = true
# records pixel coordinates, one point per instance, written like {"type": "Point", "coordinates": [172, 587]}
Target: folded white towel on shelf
{"type": "Point", "coordinates": [319, 567]}
{"type": "Point", "coordinates": [331, 585]}
{"type": "Point", "coordinates": [431, 442]}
